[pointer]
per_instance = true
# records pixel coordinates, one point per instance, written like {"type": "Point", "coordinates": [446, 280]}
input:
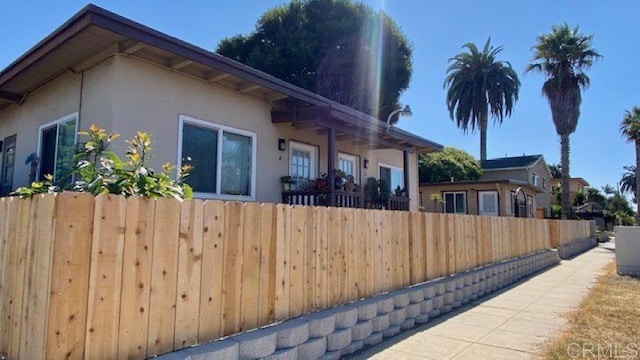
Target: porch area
{"type": "Point", "coordinates": [341, 158]}
{"type": "Point", "coordinates": [341, 198]}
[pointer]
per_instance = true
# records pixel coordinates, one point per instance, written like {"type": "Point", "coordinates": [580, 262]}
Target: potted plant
{"type": "Point", "coordinates": [286, 182]}
{"type": "Point", "coordinates": [322, 183]}
{"type": "Point", "coordinates": [350, 183]}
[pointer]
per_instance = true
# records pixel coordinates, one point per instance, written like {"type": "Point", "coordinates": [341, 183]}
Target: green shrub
{"type": "Point", "coordinates": [99, 171]}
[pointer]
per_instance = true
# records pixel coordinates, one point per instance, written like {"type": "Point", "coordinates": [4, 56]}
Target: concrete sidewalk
{"type": "Point", "coordinates": [510, 325]}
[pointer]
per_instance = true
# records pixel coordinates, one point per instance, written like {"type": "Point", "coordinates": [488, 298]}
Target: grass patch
{"type": "Point", "coordinates": [607, 324]}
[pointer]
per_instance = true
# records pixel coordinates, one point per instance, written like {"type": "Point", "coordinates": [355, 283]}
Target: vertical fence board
{"type": "Point", "coordinates": [18, 243]}
{"type": "Point", "coordinates": [105, 279]}
{"type": "Point", "coordinates": [232, 275]}
{"type": "Point", "coordinates": [136, 278]}
{"type": "Point", "coordinates": [70, 281]}
{"type": "Point", "coordinates": [298, 235]}
{"type": "Point", "coordinates": [36, 297]}
{"type": "Point", "coordinates": [250, 292]}
{"type": "Point", "coordinates": [378, 265]}
{"type": "Point", "coordinates": [5, 225]}
{"type": "Point", "coordinates": [162, 304]}
{"type": "Point", "coordinates": [210, 322]}
{"type": "Point", "coordinates": [189, 273]}
{"type": "Point", "coordinates": [266, 313]}
{"type": "Point", "coordinates": [334, 234]}
{"type": "Point", "coordinates": [283, 260]}
{"type": "Point", "coordinates": [322, 258]}
{"type": "Point", "coordinates": [343, 286]}
{"type": "Point", "coordinates": [310, 248]}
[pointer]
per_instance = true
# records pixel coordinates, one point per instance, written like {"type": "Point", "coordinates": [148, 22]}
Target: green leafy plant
{"type": "Point", "coordinates": [99, 171]}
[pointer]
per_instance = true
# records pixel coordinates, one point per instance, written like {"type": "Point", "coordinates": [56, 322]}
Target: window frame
{"type": "Point", "coordinates": [184, 119]}
{"type": "Point", "coordinates": [356, 164]}
{"type": "Point", "coordinates": [481, 202]}
{"type": "Point", "coordinates": [56, 123]}
{"type": "Point", "coordinates": [392, 167]}
{"type": "Point", "coordinates": [535, 179]}
{"type": "Point", "coordinates": [444, 202]}
{"type": "Point", "coordinates": [313, 149]}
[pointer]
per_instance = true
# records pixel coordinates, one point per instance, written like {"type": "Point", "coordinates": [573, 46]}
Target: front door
{"type": "Point", "coordinates": [488, 203]}
{"type": "Point", "coordinates": [8, 164]}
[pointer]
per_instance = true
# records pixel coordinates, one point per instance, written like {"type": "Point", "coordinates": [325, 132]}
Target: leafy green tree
{"type": "Point", "coordinates": [478, 85]}
{"type": "Point", "coordinates": [340, 49]}
{"type": "Point", "coordinates": [447, 164]}
{"type": "Point", "coordinates": [628, 182]}
{"type": "Point", "coordinates": [555, 171]}
{"type": "Point", "coordinates": [579, 198]}
{"type": "Point", "coordinates": [563, 56]}
{"type": "Point", "coordinates": [630, 129]}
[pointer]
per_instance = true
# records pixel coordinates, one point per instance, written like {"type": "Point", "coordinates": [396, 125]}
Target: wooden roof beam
{"type": "Point", "coordinates": [248, 87]}
{"type": "Point", "coordinates": [179, 63]}
{"type": "Point", "coordinates": [133, 48]}
{"type": "Point", "coordinates": [217, 77]}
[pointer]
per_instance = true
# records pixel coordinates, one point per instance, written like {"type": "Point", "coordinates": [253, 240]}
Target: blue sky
{"type": "Point", "coordinates": [437, 30]}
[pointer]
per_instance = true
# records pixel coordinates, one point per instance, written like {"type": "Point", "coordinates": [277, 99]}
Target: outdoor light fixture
{"type": "Point", "coordinates": [365, 163]}
{"type": "Point", "coordinates": [406, 111]}
{"type": "Point", "coordinates": [282, 144]}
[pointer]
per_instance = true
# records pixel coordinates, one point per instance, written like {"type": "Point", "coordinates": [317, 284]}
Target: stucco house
{"type": "Point", "coordinates": [240, 128]}
{"type": "Point", "coordinates": [496, 192]}
{"type": "Point", "coordinates": [575, 184]}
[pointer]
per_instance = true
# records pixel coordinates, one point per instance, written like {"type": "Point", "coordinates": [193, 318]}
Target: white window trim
{"type": "Point", "coordinates": [72, 116]}
{"type": "Point", "coordinates": [444, 201]}
{"type": "Point", "coordinates": [312, 149]}
{"type": "Point", "coordinates": [215, 126]}
{"type": "Point", "coordinates": [535, 179]}
{"type": "Point", "coordinates": [356, 164]}
{"type": "Point", "coordinates": [481, 202]}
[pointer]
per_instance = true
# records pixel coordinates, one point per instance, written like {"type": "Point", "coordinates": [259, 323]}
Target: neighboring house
{"type": "Point", "coordinates": [490, 197]}
{"type": "Point", "coordinates": [495, 192]}
{"type": "Point", "coordinates": [240, 128]}
{"type": "Point", "coordinates": [575, 185]}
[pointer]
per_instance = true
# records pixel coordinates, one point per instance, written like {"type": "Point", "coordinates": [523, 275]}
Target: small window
{"type": "Point", "coordinates": [349, 164]}
{"type": "Point", "coordinates": [223, 159]}
{"type": "Point", "coordinates": [544, 183]}
{"type": "Point", "coordinates": [455, 203]}
{"type": "Point", "coordinates": [534, 179]}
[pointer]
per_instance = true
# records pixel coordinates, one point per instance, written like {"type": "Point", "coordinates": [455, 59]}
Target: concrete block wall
{"type": "Point", "coordinates": [576, 247]}
{"type": "Point", "coordinates": [343, 330]}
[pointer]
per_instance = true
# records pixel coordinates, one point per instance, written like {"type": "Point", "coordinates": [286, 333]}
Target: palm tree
{"type": "Point", "coordinates": [628, 182]}
{"type": "Point", "coordinates": [479, 85]}
{"type": "Point", "coordinates": [630, 128]}
{"type": "Point", "coordinates": [608, 190]}
{"type": "Point", "coordinates": [563, 56]}
{"type": "Point", "coordinates": [555, 171]}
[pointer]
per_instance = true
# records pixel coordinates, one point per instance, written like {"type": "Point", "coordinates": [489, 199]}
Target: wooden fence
{"type": "Point", "coordinates": [109, 277]}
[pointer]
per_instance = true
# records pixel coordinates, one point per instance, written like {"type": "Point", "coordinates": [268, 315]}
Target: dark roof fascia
{"type": "Point", "coordinates": [63, 33]}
